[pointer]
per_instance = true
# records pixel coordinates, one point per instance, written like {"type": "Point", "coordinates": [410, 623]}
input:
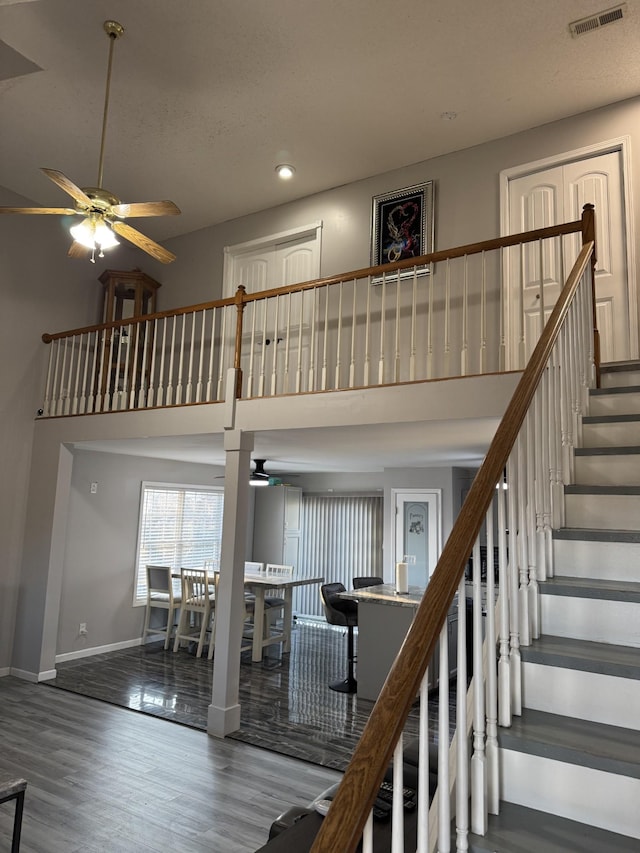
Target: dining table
{"type": "Point", "coordinates": [258, 584]}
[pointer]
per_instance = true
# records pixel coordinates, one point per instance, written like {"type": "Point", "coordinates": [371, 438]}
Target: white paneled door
{"type": "Point", "coordinates": [551, 196]}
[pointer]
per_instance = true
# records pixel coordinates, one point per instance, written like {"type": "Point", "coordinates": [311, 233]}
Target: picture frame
{"type": "Point", "coordinates": [402, 225]}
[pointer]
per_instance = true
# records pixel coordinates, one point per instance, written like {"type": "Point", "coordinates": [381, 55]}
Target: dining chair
{"type": "Point", "coordinates": [274, 604]}
{"type": "Point", "coordinates": [162, 594]}
{"type": "Point", "coordinates": [198, 603]}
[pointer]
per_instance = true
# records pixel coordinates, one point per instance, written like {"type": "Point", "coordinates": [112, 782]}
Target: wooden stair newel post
{"type": "Point", "coordinates": [589, 235]}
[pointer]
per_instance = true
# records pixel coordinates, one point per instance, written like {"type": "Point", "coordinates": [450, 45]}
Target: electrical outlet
{"type": "Point", "coordinates": [83, 628]}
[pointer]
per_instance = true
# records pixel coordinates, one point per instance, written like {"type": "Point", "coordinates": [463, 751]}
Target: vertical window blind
{"type": "Point", "coordinates": [341, 538]}
{"type": "Point", "coordinates": [180, 526]}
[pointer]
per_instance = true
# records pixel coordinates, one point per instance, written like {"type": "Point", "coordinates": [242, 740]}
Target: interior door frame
{"type": "Point", "coordinates": [621, 144]}
{"type": "Point", "coordinates": [231, 253]}
{"type": "Point", "coordinates": [432, 497]}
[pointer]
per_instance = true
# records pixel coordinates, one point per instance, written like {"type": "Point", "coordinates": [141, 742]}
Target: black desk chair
{"type": "Point", "coordinates": [371, 580]}
{"type": "Point", "coordinates": [341, 611]}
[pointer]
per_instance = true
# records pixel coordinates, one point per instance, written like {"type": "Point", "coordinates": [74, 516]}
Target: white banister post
{"type": "Point", "coordinates": [515, 674]}
{"type": "Point", "coordinates": [504, 665]}
{"type": "Point", "coordinates": [493, 773]}
{"type": "Point", "coordinates": [462, 741]}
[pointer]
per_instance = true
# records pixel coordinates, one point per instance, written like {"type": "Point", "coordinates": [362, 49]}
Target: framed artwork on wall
{"type": "Point", "coordinates": [402, 225]}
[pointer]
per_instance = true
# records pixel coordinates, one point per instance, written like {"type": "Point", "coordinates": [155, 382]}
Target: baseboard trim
{"type": "Point", "coordinates": [98, 650]}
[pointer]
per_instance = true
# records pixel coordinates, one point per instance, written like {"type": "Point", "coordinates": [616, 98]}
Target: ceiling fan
{"type": "Point", "coordinates": [260, 477]}
{"type": "Point", "coordinates": [103, 212]}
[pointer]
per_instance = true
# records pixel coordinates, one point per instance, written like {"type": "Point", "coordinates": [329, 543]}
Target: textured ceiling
{"type": "Point", "coordinates": [207, 97]}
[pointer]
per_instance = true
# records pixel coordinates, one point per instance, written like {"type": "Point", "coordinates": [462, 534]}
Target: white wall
{"type": "Point", "coordinates": [41, 290]}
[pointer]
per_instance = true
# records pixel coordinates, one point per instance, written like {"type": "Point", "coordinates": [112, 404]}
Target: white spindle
{"type": "Point", "coordinates": [535, 466]}
{"type": "Point", "coordinates": [275, 341]}
{"type": "Point", "coordinates": [252, 348]}
{"type": "Point", "coordinates": [397, 805]}
{"type": "Point", "coordinates": [414, 314]}
{"type": "Point", "coordinates": [137, 375]}
{"type": "Point", "coordinates": [462, 742]}
{"type": "Point", "coordinates": [94, 389]}
{"type": "Point", "coordinates": [396, 333]}
{"type": "Point", "coordinates": [336, 378]}
{"type": "Point", "coordinates": [523, 544]}
{"type": "Point", "coordinates": [111, 375]}
{"type": "Point", "coordinates": [504, 664]}
{"type": "Point", "coordinates": [515, 675]}
{"type": "Point", "coordinates": [465, 317]}
{"type": "Point", "coordinates": [82, 402]}
{"type": "Point", "coordinates": [444, 807]}
{"type": "Point", "coordinates": [522, 352]}
{"type": "Point", "coordinates": [299, 367]}
{"type": "Point", "coordinates": [447, 321]}
{"type": "Point", "coordinates": [367, 835]}
{"type": "Point", "coordinates": [352, 358]}
{"type": "Point", "coordinates": [63, 396]}
{"type": "Point", "coordinates": [222, 349]}
{"type": "Point", "coordinates": [179, 385]}
{"type": "Point", "coordinates": [77, 350]}
{"type": "Point", "coordinates": [478, 757]}
{"type": "Point", "coordinates": [367, 338]}
{"type": "Point", "coordinates": [125, 341]}
{"type": "Point", "coordinates": [383, 287]}
{"type": "Point", "coordinates": [325, 337]}
{"type": "Point", "coordinates": [312, 347]}
{"type": "Point", "coordinates": [430, 327]}
{"type": "Point", "coordinates": [502, 357]}
{"type": "Point", "coordinates": [287, 339]}
{"type": "Point", "coordinates": [493, 771]}
{"type": "Point", "coordinates": [147, 342]}
{"type": "Point", "coordinates": [541, 283]}
{"type": "Point", "coordinates": [546, 474]}
{"type": "Point", "coordinates": [46, 404]}
{"type": "Point", "coordinates": [163, 349]}
{"type": "Point", "coordinates": [423, 768]}
{"type": "Point", "coordinates": [189, 388]}
{"type": "Point", "coordinates": [172, 349]}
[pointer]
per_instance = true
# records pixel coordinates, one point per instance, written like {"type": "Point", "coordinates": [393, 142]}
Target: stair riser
{"type": "Point", "coordinates": [598, 620]}
{"type": "Point", "coordinates": [580, 558]}
{"type": "Point", "coordinates": [620, 379]}
{"type": "Point", "coordinates": [607, 512]}
{"type": "Point", "coordinates": [615, 404]}
{"type": "Point", "coordinates": [616, 434]}
{"type": "Point", "coordinates": [590, 696]}
{"type": "Point", "coordinates": [608, 470]}
{"type": "Point", "coordinates": [579, 793]}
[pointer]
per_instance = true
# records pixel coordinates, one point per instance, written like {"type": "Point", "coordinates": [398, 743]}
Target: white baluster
{"type": "Point", "coordinates": [183, 326]}
{"type": "Point", "coordinates": [172, 350]}
{"type": "Point", "coordinates": [163, 349]}
{"type": "Point", "coordinates": [396, 356]}
{"type": "Point", "coordinates": [383, 318]}
{"type": "Point", "coordinates": [522, 352]}
{"type": "Point", "coordinates": [502, 351]}
{"type": "Point", "coordinates": [367, 338]}
{"type": "Point", "coordinates": [303, 293]}
{"type": "Point", "coordinates": [147, 343]}
{"type": "Point", "coordinates": [493, 772]}
{"type": "Point", "coordinates": [413, 344]}
{"type": "Point", "coordinates": [482, 366]}
{"type": "Point", "coordinates": [323, 376]}
{"type": "Point", "coordinates": [125, 341]}
{"type": "Point", "coordinates": [336, 378]}
{"type": "Point", "coordinates": [189, 388]}
{"type": "Point", "coordinates": [222, 349]}
{"type": "Point", "coordinates": [63, 397]}
{"type": "Point", "coordinates": [352, 358]}
{"type": "Point", "coordinates": [546, 472]}
{"type": "Point", "coordinates": [447, 321]}
{"type": "Point", "coordinates": [137, 374]}
{"type": "Point", "coordinates": [200, 380]}
{"type": "Point", "coordinates": [397, 805]}
{"type": "Point", "coordinates": [444, 808]}
{"type": "Point", "coordinates": [462, 744]}
{"type": "Point", "coordinates": [423, 767]}
{"type": "Point", "coordinates": [274, 358]}
{"type": "Point", "coordinates": [465, 317]}
{"type": "Point", "coordinates": [523, 551]}
{"type": "Point", "coordinates": [478, 758]}
{"type": "Point", "coordinates": [515, 675]}
{"type": "Point", "coordinates": [367, 835]}
{"type": "Point", "coordinates": [312, 346]}
{"type": "Point", "coordinates": [504, 664]}
{"type": "Point", "coordinates": [430, 328]}
{"type": "Point", "coordinates": [535, 465]}
{"type": "Point", "coordinates": [46, 403]}
{"type": "Point", "coordinates": [287, 339]}
{"type": "Point", "coordinates": [94, 390]}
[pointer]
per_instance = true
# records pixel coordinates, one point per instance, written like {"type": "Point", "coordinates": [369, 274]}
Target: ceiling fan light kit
{"type": "Point", "coordinates": [102, 212]}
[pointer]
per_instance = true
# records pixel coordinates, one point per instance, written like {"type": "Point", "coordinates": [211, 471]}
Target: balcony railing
{"type": "Point", "coordinates": [458, 312]}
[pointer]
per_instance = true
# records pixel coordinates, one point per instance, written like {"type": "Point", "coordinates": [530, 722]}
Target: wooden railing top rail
{"type": "Point", "coordinates": [342, 827]}
{"type": "Point", "coordinates": [241, 297]}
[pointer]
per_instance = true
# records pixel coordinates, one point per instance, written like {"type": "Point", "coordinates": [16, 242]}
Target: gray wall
{"type": "Point", "coordinates": [42, 290]}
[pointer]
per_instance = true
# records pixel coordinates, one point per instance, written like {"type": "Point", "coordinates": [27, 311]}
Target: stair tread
{"type": "Point", "coordinates": [518, 829]}
{"type": "Point", "coordinates": [620, 366]}
{"type": "Point", "coordinates": [584, 655]}
{"type": "Point", "coordinates": [602, 588]}
{"type": "Point", "coordinates": [579, 489]}
{"type": "Point", "coordinates": [591, 534]}
{"type": "Point", "coordinates": [607, 450]}
{"type": "Point", "coordinates": [615, 389]}
{"type": "Point", "coordinates": [610, 419]}
{"type": "Point", "coordinates": [611, 749]}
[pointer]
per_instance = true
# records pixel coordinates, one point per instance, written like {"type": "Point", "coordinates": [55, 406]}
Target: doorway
{"type": "Point", "coordinates": [417, 532]}
{"type": "Point", "coordinates": [552, 191]}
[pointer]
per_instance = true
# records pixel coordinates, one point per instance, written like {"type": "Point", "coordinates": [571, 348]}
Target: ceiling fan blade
{"type": "Point", "coordinates": [145, 243]}
{"type": "Point", "coordinates": [68, 186]}
{"type": "Point", "coordinates": [64, 211]}
{"type": "Point", "coordinates": [146, 208]}
{"type": "Point", "coordinates": [77, 250]}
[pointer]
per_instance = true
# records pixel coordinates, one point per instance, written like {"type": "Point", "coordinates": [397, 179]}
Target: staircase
{"type": "Point", "coordinates": [570, 765]}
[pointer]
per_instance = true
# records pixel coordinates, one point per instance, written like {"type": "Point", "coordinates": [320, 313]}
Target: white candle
{"type": "Point", "coordinates": [402, 578]}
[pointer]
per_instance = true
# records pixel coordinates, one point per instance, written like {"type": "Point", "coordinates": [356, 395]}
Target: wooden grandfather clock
{"type": "Point", "coordinates": [126, 295]}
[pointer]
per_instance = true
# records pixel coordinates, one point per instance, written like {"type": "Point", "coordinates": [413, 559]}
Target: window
{"type": "Point", "coordinates": [180, 526]}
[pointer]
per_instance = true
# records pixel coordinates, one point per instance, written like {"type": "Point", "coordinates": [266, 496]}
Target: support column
{"type": "Point", "coordinates": [224, 710]}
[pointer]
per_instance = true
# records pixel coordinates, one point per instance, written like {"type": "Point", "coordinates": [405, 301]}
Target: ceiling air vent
{"type": "Point", "coordinates": [601, 19]}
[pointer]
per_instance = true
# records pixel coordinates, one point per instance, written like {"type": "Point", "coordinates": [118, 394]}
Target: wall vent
{"type": "Point", "coordinates": [595, 22]}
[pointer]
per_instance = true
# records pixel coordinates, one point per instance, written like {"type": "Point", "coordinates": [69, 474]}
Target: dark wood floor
{"type": "Point", "coordinates": [286, 702]}
{"type": "Point", "coordinates": [101, 778]}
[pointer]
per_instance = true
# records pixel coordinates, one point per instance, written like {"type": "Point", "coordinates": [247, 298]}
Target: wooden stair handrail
{"type": "Point", "coordinates": [342, 828]}
{"type": "Point", "coordinates": [386, 269]}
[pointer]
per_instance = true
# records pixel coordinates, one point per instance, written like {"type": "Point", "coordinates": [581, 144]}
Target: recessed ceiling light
{"type": "Point", "coordinates": [285, 171]}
